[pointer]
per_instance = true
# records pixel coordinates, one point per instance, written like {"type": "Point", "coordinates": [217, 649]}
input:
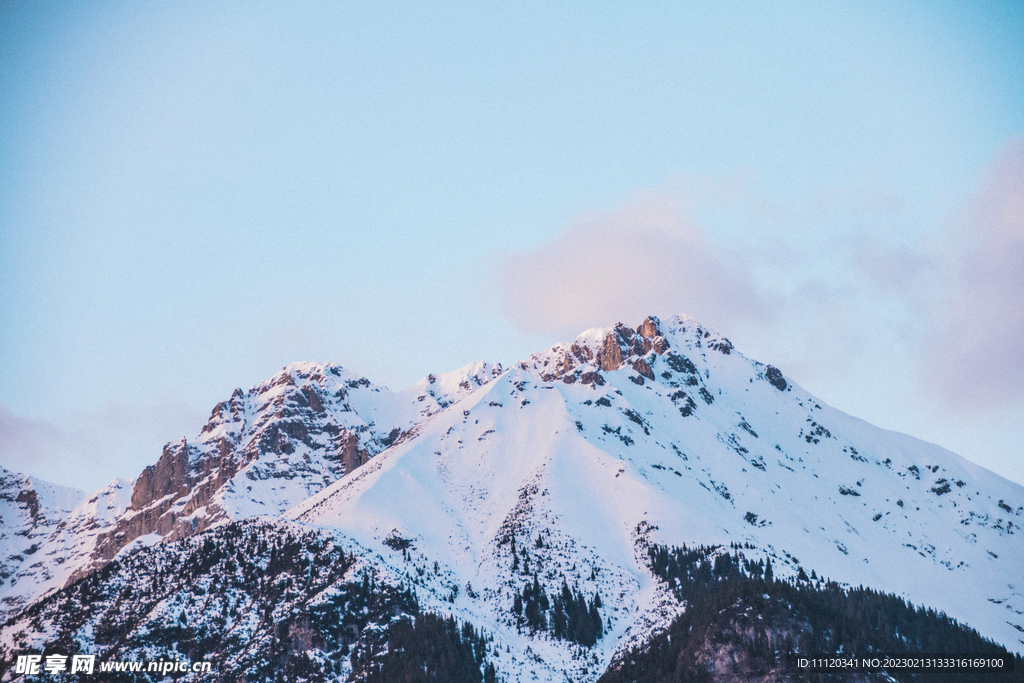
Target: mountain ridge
{"type": "Point", "coordinates": [260, 452]}
{"type": "Point", "coordinates": [567, 467]}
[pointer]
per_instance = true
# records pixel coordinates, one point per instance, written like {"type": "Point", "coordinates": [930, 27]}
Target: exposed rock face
{"type": "Point", "coordinates": [650, 327]}
{"type": "Point", "coordinates": [167, 477]}
{"type": "Point", "coordinates": [584, 358]}
{"type": "Point", "coordinates": [776, 378]}
{"type": "Point", "coordinates": [610, 355]}
{"type": "Point", "coordinates": [641, 366]}
{"type": "Point", "coordinates": [646, 351]}
{"type": "Point", "coordinates": [304, 428]}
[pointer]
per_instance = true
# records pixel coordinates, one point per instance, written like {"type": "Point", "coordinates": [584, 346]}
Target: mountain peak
{"type": "Point", "coordinates": [666, 429]}
{"type": "Point", "coordinates": [610, 348]}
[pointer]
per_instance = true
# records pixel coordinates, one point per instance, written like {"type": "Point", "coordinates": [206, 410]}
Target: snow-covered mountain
{"type": "Point", "coordinates": [261, 452]}
{"type": "Point", "coordinates": [474, 488]}
{"type": "Point", "coordinates": [668, 435]}
{"type": "Point", "coordinates": [30, 510]}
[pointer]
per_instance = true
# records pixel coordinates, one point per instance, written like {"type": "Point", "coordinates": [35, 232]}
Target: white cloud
{"type": "Point", "coordinates": [974, 356]}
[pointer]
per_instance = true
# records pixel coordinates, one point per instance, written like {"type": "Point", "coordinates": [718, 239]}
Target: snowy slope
{"type": "Point", "coordinates": [68, 547]}
{"type": "Point", "coordinates": [669, 435]}
{"type": "Point", "coordinates": [30, 510]}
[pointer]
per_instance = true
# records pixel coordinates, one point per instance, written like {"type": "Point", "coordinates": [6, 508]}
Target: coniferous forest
{"type": "Point", "coordinates": [428, 648]}
{"type": "Point", "coordinates": [292, 604]}
{"type": "Point", "coordinates": [740, 624]}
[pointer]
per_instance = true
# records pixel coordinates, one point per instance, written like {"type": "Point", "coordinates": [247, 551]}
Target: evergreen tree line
{"type": "Point", "coordinates": [567, 615]}
{"type": "Point", "coordinates": [295, 593]}
{"type": "Point", "coordinates": [311, 610]}
{"type": "Point", "coordinates": [736, 606]}
{"type": "Point", "coordinates": [425, 649]}
{"type": "Point", "coordinates": [689, 571]}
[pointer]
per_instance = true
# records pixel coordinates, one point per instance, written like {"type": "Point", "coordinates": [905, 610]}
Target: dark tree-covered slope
{"type": "Point", "coordinates": [740, 624]}
{"type": "Point", "coordinates": [259, 601]}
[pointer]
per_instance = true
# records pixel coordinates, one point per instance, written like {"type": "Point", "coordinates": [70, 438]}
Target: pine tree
{"type": "Point", "coordinates": [595, 626]}
{"type": "Point", "coordinates": [558, 620]}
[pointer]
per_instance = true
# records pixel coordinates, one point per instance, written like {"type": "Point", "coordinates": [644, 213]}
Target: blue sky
{"type": "Point", "coordinates": [195, 194]}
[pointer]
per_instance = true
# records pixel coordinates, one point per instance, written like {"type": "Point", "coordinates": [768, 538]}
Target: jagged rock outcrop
{"type": "Point", "coordinates": [602, 350]}
{"type": "Point", "coordinates": [302, 429]}
{"type": "Point", "coordinates": [167, 477]}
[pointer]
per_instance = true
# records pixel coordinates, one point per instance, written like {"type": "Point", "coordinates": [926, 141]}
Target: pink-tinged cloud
{"type": "Point", "coordinates": [26, 444]}
{"type": "Point", "coordinates": [647, 256]}
{"type": "Point", "coordinates": [897, 271]}
{"type": "Point", "coordinates": [88, 450]}
{"type": "Point", "coordinates": [975, 358]}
